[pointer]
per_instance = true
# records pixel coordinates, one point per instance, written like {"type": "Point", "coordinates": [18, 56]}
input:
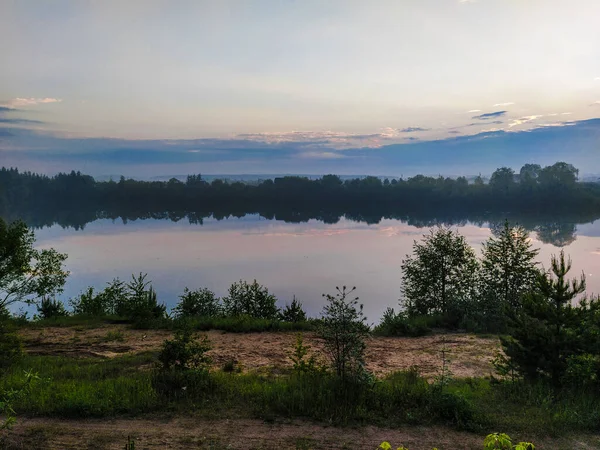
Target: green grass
{"type": "Point", "coordinates": [129, 385]}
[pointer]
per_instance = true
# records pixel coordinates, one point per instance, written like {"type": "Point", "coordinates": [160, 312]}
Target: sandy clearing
{"type": "Point", "coordinates": [469, 355]}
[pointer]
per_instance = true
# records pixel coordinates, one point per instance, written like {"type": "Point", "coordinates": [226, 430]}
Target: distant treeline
{"type": "Point", "coordinates": [75, 199]}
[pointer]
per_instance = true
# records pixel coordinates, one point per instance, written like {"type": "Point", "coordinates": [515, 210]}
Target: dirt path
{"type": "Point", "coordinates": [190, 433]}
{"type": "Point", "coordinates": [469, 355]}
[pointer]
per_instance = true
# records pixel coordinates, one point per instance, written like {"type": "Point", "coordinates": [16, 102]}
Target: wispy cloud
{"type": "Point", "coordinates": [491, 115]}
{"type": "Point", "coordinates": [493, 122]}
{"type": "Point", "coordinates": [412, 129]}
{"type": "Point", "coordinates": [504, 104]}
{"type": "Point", "coordinates": [596, 103]}
{"type": "Point", "coordinates": [597, 79]}
{"type": "Point", "coordinates": [31, 101]}
{"type": "Point", "coordinates": [467, 1]}
{"type": "Point", "coordinates": [523, 120]}
{"type": "Point", "coordinates": [474, 111]}
{"type": "Point", "coordinates": [321, 155]}
{"type": "Point", "coordinates": [17, 121]}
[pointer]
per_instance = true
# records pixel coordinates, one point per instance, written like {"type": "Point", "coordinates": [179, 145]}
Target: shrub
{"type": "Point", "coordinates": [401, 324]}
{"type": "Point", "coordinates": [302, 359]}
{"type": "Point", "coordinates": [89, 304]}
{"type": "Point", "coordinates": [344, 332]}
{"type": "Point", "coordinates": [11, 348]}
{"type": "Point", "coordinates": [252, 300]}
{"type": "Point", "coordinates": [184, 352]}
{"type": "Point", "coordinates": [293, 312]}
{"type": "Point", "coordinates": [199, 303]}
{"type": "Point", "coordinates": [49, 309]}
{"type": "Point", "coordinates": [140, 302]}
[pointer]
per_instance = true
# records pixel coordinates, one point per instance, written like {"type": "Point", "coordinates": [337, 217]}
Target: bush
{"type": "Point", "coordinates": [49, 309]}
{"type": "Point", "coordinates": [89, 304]}
{"type": "Point", "coordinates": [400, 324]}
{"type": "Point", "coordinates": [11, 348]}
{"type": "Point", "coordinates": [199, 303]}
{"type": "Point", "coordinates": [293, 312]}
{"type": "Point", "coordinates": [184, 352]}
{"type": "Point", "coordinates": [344, 332]}
{"type": "Point", "coordinates": [139, 302]}
{"type": "Point", "coordinates": [252, 300]}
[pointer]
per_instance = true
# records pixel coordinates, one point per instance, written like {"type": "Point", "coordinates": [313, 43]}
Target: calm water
{"type": "Point", "coordinates": [305, 260]}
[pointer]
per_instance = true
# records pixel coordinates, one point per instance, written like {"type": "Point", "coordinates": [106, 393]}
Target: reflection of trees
{"type": "Point", "coordinates": [557, 233]}
{"type": "Point", "coordinates": [548, 229]}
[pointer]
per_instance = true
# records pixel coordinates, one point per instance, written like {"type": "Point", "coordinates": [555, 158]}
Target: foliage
{"type": "Point", "coordinates": [440, 277]}
{"type": "Point", "coordinates": [293, 312]}
{"type": "Point", "coordinates": [51, 308]}
{"type": "Point", "coordinates": [544, 331]}
{"type": "Point", "coordinates": [251, 299]}
{"type": "Point", "coordinates": [10, 344]}
{"type": "Point", "coordinates": [508, 271]}
{"type": "Point", "coordinates": [302, 358]}
{"type": "Point", "coordinates": [344, 332]}
{"type": "Point", "coordinates": [401, 324]}
{"type": "Point", "coordinates": [9, 396]}
{"type": "Point", "coordinates": [199, 303]}
{"type": "Point", "coordinates": [184, 352]}
{"type": "Point", "coordinates": [140, 302]}
{"type": "Point", "coordinates": [495, 441]}
{"type": "Point", "coordinates": [27, 274]}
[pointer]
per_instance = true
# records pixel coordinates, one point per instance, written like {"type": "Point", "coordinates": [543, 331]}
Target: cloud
{"type": "Point", "coordinates": [412, 129]}
{"type": "Point", "coordinates": [524, 120]}
{"type": "Point", "coordinates": [504, 104]}
{"type": "Point", "coordinates": [494, 122]}
{"type": "Point", "coordinates": [597, 102]}
{"type": "Point", "coordinates": [454, 132]}
{"type": "Point", "coordinates": [17, 121]}
{"type": "Point", "coordinates": [321, 155]}
{"type": "Point", "coordinates": [31, 101]}
{"type": "Point", "coordinates": [597, 79]}
{"type": "Point", "coordinates": [467, 1]}
{"type": "Point", "coordinates": [491, 115]}
{"type": "Point", "coordinates": [474, 111]}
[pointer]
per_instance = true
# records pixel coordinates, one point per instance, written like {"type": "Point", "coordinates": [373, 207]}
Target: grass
{"type": "Point", "coordinates": [129, 385]}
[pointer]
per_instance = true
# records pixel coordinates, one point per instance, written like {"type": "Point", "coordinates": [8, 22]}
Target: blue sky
{"type": "Point", "coordinates": [154, 87]}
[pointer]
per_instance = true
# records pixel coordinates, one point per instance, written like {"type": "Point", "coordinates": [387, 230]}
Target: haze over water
{"type": "Point", "coordinates": [301, 259]}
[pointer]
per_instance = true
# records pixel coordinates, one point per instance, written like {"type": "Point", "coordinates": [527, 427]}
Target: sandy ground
{"type": "Point", "coordinates": [190, 433]}
{"type": "Point", "coordinates": [469, 355]}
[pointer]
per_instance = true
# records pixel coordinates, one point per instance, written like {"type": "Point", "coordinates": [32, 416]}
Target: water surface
{"type": "Point", "coordinates": [302, 259]}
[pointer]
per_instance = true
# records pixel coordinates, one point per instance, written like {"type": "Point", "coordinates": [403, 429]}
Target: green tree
{"type": "Point", "coordinates": [503, 180]}
{"type": "Point", "coordinates": [344, 332]}
{"type": "Point", "coordinates": [250, 299]}
{"type": "Point", "coordinates": [560, 175]}
{"type": "Point", "coordinates": [26, 273]}
{"type": "Point", "coordinates": [544, 331]}
{"type": "Point", "coordinates": [508, 268]}
{"type": "Point", "coordinates": [440, 277]}
{"type": "Point", "coordinates": [293, 312]}
{"type": "Point", "coordinates": [199, 303]}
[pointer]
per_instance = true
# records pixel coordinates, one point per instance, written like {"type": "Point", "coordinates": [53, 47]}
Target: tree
{"type": "Point", "coordinates": [508, 268]}
{"type": "Point", "coordinates": [440, 277]}
{"type": "Point", "coordinates": [560, 175]}
{"type": "Point", "coordinates": [528, 176]}
{"type": "Point", "coordinates": [293, 312]}
{"type": "Point", "coordinates": [199, 303]}
{"type": "Point", "coordinates": [250, 299]}
{"type": "Point", "coordinates": [502, 180]}
{"type": "Point", "coordinates": [544, 331]}
{"type": "Point", "coordinates": [26, 273]}
{"type": "Point", "coordinates": [344, 332]}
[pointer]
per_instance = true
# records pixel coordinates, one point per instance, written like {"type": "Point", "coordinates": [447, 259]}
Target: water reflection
{"type": "Point", "coordinates": [304, 259]}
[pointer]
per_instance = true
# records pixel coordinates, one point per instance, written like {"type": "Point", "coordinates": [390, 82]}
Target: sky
{"type": "Point", "coordinates": [156, 87]}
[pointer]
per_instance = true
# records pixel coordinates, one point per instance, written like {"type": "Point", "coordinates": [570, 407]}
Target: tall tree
{"type": "Point", "coordinates": [544, 333]}
{"type": "Point", "coordinates": [440, 276]}
{"type": "Point", "coordinates": [508, 267]}
{"type": "Point", "coordinates": [26, 273]}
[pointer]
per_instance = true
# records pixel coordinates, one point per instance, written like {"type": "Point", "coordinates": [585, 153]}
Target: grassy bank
{"type": "Point", "coordinates": [129, 385]}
